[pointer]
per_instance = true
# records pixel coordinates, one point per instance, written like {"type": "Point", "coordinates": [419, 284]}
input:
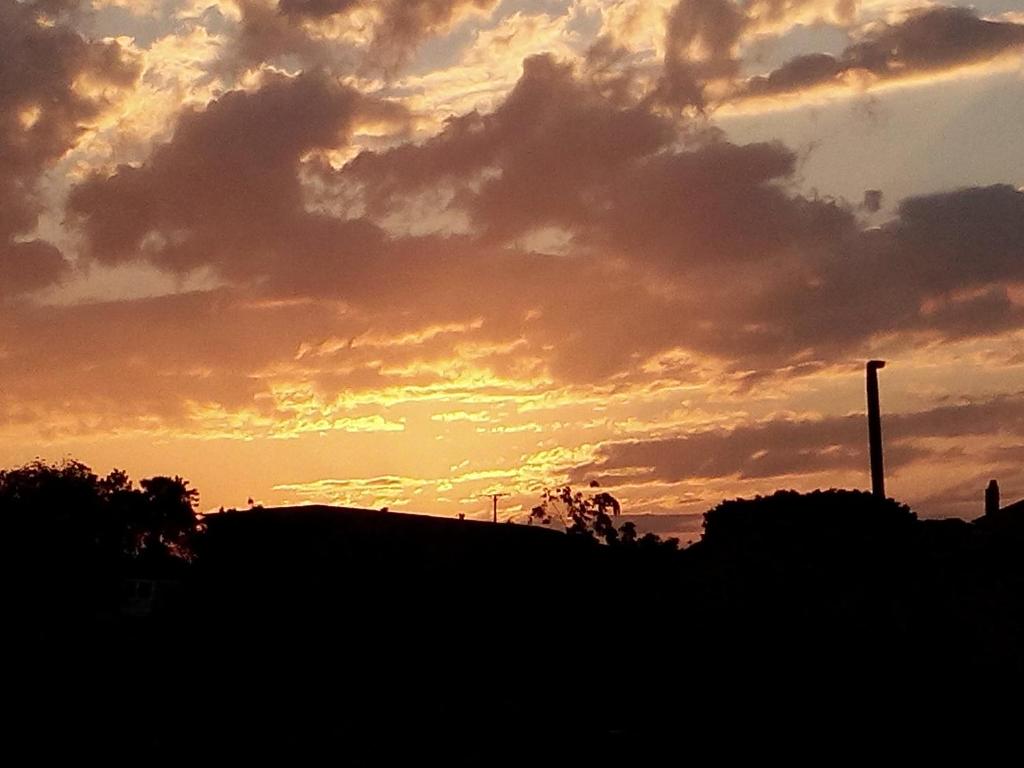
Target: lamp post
{"type": "Point", "coordinates": [875, 430]}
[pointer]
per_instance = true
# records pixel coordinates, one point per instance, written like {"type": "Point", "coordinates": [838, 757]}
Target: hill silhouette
{"type": "Point", "coordinates": [370, 634]}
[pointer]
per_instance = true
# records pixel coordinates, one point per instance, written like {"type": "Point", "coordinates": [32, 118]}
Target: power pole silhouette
{"type": "Point", "coordinates": [875, 430]}
{"type": "Point", "coordinates": [494, 498]}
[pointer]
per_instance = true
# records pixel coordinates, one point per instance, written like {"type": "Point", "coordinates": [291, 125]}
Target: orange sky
{"type": "Point", "coordinates": [409, 253]}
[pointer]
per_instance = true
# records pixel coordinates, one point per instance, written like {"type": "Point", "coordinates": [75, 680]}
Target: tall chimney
{"type": "Point", "coordinates": [875, 430]}
{"type": "Point", "coordinates": [992, 498]}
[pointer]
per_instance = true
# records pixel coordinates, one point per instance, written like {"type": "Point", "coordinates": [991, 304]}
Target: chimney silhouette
{"type": "Point", "coordinates": [875, 430]}
{"type": "Point", "coordinates": [992, 498]}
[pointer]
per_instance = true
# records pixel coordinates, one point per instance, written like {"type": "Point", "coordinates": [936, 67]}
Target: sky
{"type": "Point", "coordinates": [408, 253]}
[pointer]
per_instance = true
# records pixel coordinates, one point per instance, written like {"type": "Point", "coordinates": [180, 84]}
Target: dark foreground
{"type": "Point", "coordinates": [364, 637]}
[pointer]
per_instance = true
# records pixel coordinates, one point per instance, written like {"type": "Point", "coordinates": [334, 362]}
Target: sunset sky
{"type": "Point", "coordinates": [404, 253]}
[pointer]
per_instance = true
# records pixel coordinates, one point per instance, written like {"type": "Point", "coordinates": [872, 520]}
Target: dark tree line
{"type": "Point", "coordinates": [72, 534]}
{"type": "Point", "coordinates": [67, 504]}
{"type": "Point", "coordinates": [458, 628]}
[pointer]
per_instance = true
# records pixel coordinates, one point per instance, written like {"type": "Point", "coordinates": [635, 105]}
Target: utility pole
{"type": "Point", "coordinates": [494, 498]}
{"type": "Point", "coordinates": [875, 430]}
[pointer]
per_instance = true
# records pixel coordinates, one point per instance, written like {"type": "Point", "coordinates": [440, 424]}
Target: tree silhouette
{"type": "Point", "coordinates": [587, 515]}
{"type": "Point", "coordinates": [55, 507]}
{"type": "Point", "coordinates": [64, 510]}
{"type": "Point", "coordinates": [791, 518]}
{"type": "Point", "coordinates": [169, 514]}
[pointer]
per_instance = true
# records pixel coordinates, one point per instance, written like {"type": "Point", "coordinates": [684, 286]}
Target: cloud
{"type": "Point", "coordinates": [487, 68]}
{"type": "Point", "coordinates": [775, 13]}
{"type": "Point", "coordinates": [746, 270]}
{"type": "Point", "coordinates": [1000, 414]}
{"type": "Point", "coordinates": [628, 187]}
{"type": "Point", "coordinates": [705, 41]}
{"type": "Point", "coordinates": [780, 448]}
{"type": "Point", "coordinates": [702, 239]}
{"type": "Point", "coordinates": [773, 449]}
{"type": "Point", "coordinates": [225, 190]}
{"type": "Point", "coordinates": [700, 42]}
{"type": "Point", "coordinates": [528, 179]}
{"type": "Point", "coordinates": [266, 34]}
{"type": "Point", "coordinates": [963, 238]}
{"type": "Point", "coordinates": [29, 266]}
{"type": "Point", "coordinates": [941, 268]}
{"type": "Point", "coordinates": [382, 35]}
{"type": "Point", "coordinates": [404, 23]}
{"type": "Point", "coordinates": [928, 40]}
{"type": "Point", "coordinates": [316, 9]}
{"type": "Point", "coordinates": [46, 70]}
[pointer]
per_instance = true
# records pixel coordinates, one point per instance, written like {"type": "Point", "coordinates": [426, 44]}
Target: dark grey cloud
{"type": "Point", "coordinates": [782, 448]}
{"type": "Point", "coordinates": [941, 268]}
{"type": "Point", "coordinates": [405, 23]}
{"type": "Point", "coordinates": [550, 148]}
{"type": "Point", "coordinates": [718, 204]}
{"type": "Point", "coordinates": [28, 266]}
{"type": "Point", "coordinates": [798, 73]}
{"type": "Point", "coordinates": [773, 449]}
{"type": "Point", "coordinates": [1001, 414]}
{"type": "Point", "coordinates": [266, 34]}
{"type": "Point", "coordinates": [225, 190]}
{"type": "Point", "coordinates": [626, 185]}
{"type": "Point", "coordinates": [762, 276]}
{"type": "Point", "coordinates": [702, 38]}
{"type": "Point", "coordinates": [701, 245]}
{"type": "Point", "coordinates": [316, 9]}
{"type": "Point", "coordinates": [981, 228]}
{"type": "Point", "coordinates": [41, 118]}
{"type": "Point", "coordinates": [715, 26]}
{"type": "Point", "coordinates": [270, 30]}
{"type": "Point", "coordinates": [928, 40]}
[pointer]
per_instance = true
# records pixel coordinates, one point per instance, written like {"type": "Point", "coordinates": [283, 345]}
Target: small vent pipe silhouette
{"type": "Point", "coordinates": [875, 430]}
{"type": "Point", "coordinates": [992, 498]}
